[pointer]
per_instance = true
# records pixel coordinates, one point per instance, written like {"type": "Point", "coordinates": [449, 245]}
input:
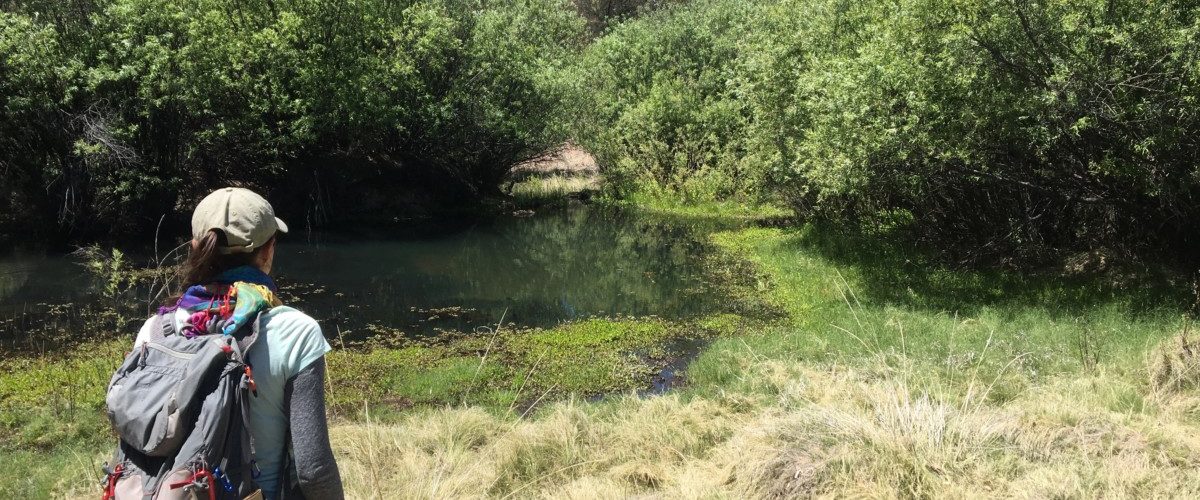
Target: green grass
{"type": "Point", "coordinates": [41, 473]}
{"type": "Point", "coordinates": [538, 191]}
{"type": "Point", "coordinates": [860, 338]}
{"type": "Point", "coordinates": [592, 333]}
{"type": "Point", "coordinates": [724, 211]}
{"type": "Point", "coordinates": [859, 300]}
{"type": "Point", "coordinates": [52, 425]}
{"type": "Point", "coordinates": [506, 369]}
{"type": "Point", "coordinates": [595, 355]}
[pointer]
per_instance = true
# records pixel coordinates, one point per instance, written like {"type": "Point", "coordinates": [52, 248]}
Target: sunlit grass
{"type": "Point", "coordinates": [553, 187]}
{"type": "Point", "coordinates": [904, 301]}
{"type": "Point", "coordinates": [52, 424]}
{"type": "Point", "coordinates": [723, 210]}
{"type": "Point", "coordinates": [824, 429]}
{"type": "Point", "coordinates": [586, 357]}
{"type": "Point", "coordinates": [888, 374]}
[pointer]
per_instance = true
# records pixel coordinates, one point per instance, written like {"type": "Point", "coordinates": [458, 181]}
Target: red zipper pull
{"type": "Point", "coordinates": [250, 381]}
{"type": "Point", "coordinates": [110, 490]}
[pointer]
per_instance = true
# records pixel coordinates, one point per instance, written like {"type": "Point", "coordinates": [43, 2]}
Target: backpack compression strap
{"type": "Point", "coordinates": [166, 324]}
{"type": "Point", "coordinates": [245, 390]}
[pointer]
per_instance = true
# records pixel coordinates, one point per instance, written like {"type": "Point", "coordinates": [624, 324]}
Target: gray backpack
{"type": "Point", "coordinates": [181, 408]}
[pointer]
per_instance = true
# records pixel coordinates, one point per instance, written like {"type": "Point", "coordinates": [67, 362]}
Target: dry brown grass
{"type": "Point", "coordinates": [829, 431]}
{"type": "Point", "coordinates": [1174, 365]}
{"type": "Point", "coordinates": [801, 430]}
{"type": "Point", "coordinates": [553, 186]}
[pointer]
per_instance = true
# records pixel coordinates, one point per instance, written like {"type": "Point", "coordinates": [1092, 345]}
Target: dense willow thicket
{"type": "Point", "coordinates": [1007, 127]}
{"type": "Point", "coordinates": [113, 112]}
{"type": "Point", "coordinates": [1016, 128]}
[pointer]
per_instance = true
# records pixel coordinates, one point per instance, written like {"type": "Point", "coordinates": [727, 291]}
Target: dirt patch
{"type": "Point", "coordinates": [563, 173]}
{"type": "Point", "coordinates": [566, 160]}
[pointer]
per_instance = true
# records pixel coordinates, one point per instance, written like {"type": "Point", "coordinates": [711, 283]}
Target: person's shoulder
{"type": "Point", "coordinates": [295, 336]}
{"type": "Point", "coordinates": [143, 334]}
{"type": "Point", "coordinates": [154, 322]}
{"type": "Point", "coordinates": [288, 319]}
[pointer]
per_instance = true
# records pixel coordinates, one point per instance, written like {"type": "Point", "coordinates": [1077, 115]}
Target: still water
{"type": "Point", "coordinates": [539, 270]}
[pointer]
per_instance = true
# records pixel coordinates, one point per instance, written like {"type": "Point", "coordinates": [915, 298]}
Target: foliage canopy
{"type": "Point", "coordinates": [116, 111]}
{"type": "Point", "coordinates": [1014, 129]}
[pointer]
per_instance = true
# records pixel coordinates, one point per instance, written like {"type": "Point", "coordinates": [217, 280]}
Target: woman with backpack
{"type": "Point", "coordinates": [272, 355]}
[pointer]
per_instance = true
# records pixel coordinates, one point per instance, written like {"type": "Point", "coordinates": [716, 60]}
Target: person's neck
{"type": "Point", "coordinates": [247, 273]}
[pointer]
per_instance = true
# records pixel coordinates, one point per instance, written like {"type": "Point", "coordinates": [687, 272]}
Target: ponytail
{"type": "Point", "coordinates": [205, 260]}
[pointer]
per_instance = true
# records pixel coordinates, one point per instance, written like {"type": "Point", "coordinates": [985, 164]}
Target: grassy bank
{"type": "Point", "coordinates": [51, 405]}
{"type": "Point", "coordinates": [513, 369]}
{"type": "Point", "coordinates": [889, 376]}
{"type": "Point", "coordinates": [728, 212]}
{"type": "Point", "coordinates": [883, 373]}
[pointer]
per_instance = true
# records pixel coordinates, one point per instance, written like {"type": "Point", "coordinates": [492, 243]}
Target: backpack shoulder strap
{"type": "Point", "coordinates": [245, 338]}
{"type": "Point", "coordinates": [166, 325]}
{"type": "Point", "coordinates": [254, 328]}
{"type": "Point", "coordinates": [162, 325]}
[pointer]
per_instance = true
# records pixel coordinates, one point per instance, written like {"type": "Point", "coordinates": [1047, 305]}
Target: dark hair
{"type": "Point", "coordinates": [205, 260]}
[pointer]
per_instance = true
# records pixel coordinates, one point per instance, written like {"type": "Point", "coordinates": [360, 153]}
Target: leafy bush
{"type": "Point", "coordinates": [1013, 127]}
{"type": "Point", "coordinates": [161, 101]}
{"type": "Point", "coordinates": [1017, 129]}
{"type": "Point", "coordinates": [659, 107]}
{"type": "Point", "coordinates": [31, 137]}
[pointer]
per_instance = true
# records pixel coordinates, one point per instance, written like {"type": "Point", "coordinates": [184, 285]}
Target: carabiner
{"type": "Point", "coordinates": [225, 482]}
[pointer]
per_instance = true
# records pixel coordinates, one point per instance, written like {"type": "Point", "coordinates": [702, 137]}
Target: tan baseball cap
{"type": "Point", "coordinates": [246, 218]}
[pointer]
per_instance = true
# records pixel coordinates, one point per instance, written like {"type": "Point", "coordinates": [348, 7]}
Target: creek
{"type": "Point", "coordinates": [455, 274]}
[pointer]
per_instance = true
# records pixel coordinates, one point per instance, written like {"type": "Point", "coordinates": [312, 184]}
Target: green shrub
{"type": "Point", "coordinates": [1017, 130]}
{"type": "Point", "coordinates": [1026, 128]}
{"type": "Point", "coordinates": [660, 108]}
{"type": "Point", "coordinates": [159, 101]}
{"type": "Point", "coordinates": [32, 86]}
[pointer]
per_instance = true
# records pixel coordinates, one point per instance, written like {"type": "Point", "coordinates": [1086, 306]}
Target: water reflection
{"type": "Point", "coordinates": [13, 275]}
{"type": "Point", "coordinates": [535, 271]}
{"type": "Point", "coordinates": [27, 279]}
{"type": "Point", "coordinates": [541, 270]}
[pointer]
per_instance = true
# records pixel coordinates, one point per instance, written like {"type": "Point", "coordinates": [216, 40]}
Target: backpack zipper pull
{"type": "Point", "coordinates": [250, 381]}
{"type": "Point", "coordinates": [202, 478]}
{"type": "Point", "coordinates": [110, 489]}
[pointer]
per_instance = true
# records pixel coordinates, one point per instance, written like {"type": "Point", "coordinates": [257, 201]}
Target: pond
{"type": "Point", "coordinates": [461, 274]}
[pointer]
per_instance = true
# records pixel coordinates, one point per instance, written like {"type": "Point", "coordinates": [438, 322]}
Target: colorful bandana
{"type": "Point", "coordinates": [230, 301]}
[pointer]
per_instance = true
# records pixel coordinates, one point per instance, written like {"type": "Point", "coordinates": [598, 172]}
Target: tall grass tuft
{"type": "Point", "coordinates": [831, 430]}
{"type": "Point", "coordinates": [1174, 365]}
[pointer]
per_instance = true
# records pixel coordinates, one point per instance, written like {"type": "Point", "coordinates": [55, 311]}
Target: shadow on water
{"type": "Point", "coordinates": [460, 274]}
{"type": "Point", "coordinates": [535, 271]}
{"type": "Point", "coordinates": [28, 278]}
